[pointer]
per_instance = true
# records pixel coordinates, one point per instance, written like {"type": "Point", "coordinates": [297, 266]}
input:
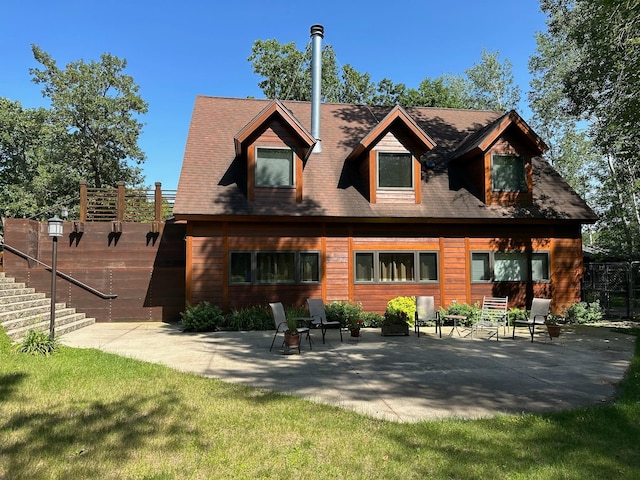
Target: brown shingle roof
{"type": "Point", "coordinates": [212, 180]}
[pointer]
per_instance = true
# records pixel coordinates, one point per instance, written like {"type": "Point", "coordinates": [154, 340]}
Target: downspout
{"type": "Point", "coordinates": [317, 34]}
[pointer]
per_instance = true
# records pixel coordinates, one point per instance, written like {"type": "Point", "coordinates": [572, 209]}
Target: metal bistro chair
{"type": "Point", "coordinates": [319, 317]}
{"type": "Point", "coordinates": [280, 322]}
{"type": "Point", "coordinates": [537, 316]}
{"type": "Point", "coordinates": [426, 313]}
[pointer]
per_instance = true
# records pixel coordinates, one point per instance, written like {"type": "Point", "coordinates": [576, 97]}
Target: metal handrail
{"type": "Point", "coordinates": [105, 296]}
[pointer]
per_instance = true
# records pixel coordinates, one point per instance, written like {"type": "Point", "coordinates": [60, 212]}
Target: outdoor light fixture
{"type": "Point", "coordinates": [55, 229]}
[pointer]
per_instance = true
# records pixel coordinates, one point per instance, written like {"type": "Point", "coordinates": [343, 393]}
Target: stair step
{"type": "Point", "coordinates": [10, 285]}
{"type": "Point", "coordinates": [7, 302]}
{"type": "Point", "coordinates": [23, 309]}
{"type": "Point", "coordinates": [62, 326]}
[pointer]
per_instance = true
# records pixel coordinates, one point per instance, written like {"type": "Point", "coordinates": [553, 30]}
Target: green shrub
{"type": "Point", "coordinates": [37, 343]}
{"type": "Point", "coordinates": [343, 311]}
{"type": "Point", "coordinates": [257, 317]}
{"type": "Point", "coordinates": [583, 312]}
{"type": "Point", "coordinates": [519, 314]}
{"type": "Point", "coordinates": [394, 317]}
{"type": "Point", "coordinates": [202, 317]}
{"type": "Point", "coordinates": [371, 319]}
{"type": "Point", "coordinates": [403, 304]}
{"type": "Point", "coordinates": [472, 312]}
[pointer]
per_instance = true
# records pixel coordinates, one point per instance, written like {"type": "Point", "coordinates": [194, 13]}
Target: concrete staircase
{"type": "Point", "coordinates": [23, 309]}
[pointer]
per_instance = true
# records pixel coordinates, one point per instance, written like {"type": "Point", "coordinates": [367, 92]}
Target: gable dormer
{"type": "Point", "coordinates": [388, 159]}
{"type": "Point", "coordinates": [497, 161]}
{"type": "Point", "coordinates": [275, 147]}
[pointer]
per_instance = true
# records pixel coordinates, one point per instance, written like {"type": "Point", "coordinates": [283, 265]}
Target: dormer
{"type": "Point", "coordinates": [275, 147]}
{"type": "Point", "coordinates": [496, 162]}
{"type": "Point", "coordinates": [388, 159]}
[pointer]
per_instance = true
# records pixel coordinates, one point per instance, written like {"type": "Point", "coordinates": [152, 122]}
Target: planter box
{"type": "Point", "coordinates": [400, 329]}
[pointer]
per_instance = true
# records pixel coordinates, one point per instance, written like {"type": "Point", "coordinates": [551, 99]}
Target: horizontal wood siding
{"type": "Point", "coordinates": [374, 297]}
{"type": "Point", "coordinates": [396, 196]}
{"type": "Point", "coordinates": [337, 269]}
{"type": "Point", "coordinates": [566, 272]}
{"type": "Point", "coordinates": [453, 270]}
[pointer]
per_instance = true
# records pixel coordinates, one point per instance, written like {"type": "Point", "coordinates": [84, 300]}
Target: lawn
{"type": "Point", "coordinates": [87, 414]}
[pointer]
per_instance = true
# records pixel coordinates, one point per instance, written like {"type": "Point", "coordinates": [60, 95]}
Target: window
{"type": "Point", "coordinates": [276, 267]}
{"type": "Point", "coordinates": [540, 267]}
{"type": "Point", "coordinates": [268, 268]}
{"type": "Point", "coordinates": [240, 267]}
{"type": "Point", "coordinates": [480, 267]}
{"type": "Point", "coordinates": [428, 267]}
{"type": "Point", "coordinates": [509, 267]}
{"type": "Point", "coordinates": [508, 173]}
{"type": "Point", "coordinates": [364, 267]}
{"type": "Point", "coordinates": [274, 167]}
{"type": "Point", "coordinates": [395, 170]}
{"type": "Point", "coordinates": [396, 267]}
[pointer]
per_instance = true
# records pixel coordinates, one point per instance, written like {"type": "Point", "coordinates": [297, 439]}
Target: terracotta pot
{"type": "Point", "coordinates": [355, 332]}
{"type": "Point", "coordinates": [554, 330]}
{"type": "Point", "coordinates": [292, 340]}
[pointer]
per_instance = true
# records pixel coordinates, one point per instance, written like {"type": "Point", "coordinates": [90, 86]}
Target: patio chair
{"type": "Point", "coordinates": [319, 317]}
{"type": "Point", "coordinates": [425, 313]}
{"type": "Point", "coordinates": [493, 315]}
{"type": "Point", "coordinates": [280, 322]}
{"type": "Point", "coordinates": [537, 316]}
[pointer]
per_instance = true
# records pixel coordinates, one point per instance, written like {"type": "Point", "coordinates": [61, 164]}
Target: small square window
{"type": "Point", "coordinates": [309, 267]}
{"type": "Point", "coordinates": [540, 267]}
{"type": "Point", "coordinates": [395, 170]}
{"type": "Point", "coordinates": [508, 173]}
{"type": "Point", "coordinates": [429, 267]}
{"type": "Point", "coordinates": [240, 267]}
{"type": "Point", "coordinates": [364, 267]}
{"type": "Point", "coordinates": [480, 267]}
{"type": "Point", "coordinates": [274, 167]}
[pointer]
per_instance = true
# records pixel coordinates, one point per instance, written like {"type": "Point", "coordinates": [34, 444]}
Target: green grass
{"type": "Point", "coordinates": [87, 414]}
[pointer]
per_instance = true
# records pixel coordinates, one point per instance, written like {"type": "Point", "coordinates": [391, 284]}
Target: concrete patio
{"type": "Point", "coordinates": [403, 379]}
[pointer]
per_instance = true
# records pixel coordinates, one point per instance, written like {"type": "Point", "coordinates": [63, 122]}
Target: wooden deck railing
{"type": "Point", "coordinates": [125, 204]}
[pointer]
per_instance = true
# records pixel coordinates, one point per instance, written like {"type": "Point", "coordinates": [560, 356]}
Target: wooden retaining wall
{"type": "Point", "coordinates": [142, 263]}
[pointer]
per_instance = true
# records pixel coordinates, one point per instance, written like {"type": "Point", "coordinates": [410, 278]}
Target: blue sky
{"type": "Point", "coordinates": [177, 50]}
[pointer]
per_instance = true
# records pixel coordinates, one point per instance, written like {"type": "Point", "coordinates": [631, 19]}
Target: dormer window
{"type": "Point", "coordinates": [508, 173]}
{"type": "Point", "coordinates": [275, 167]}
{"type": "Point", "coordinates": [395, 170]}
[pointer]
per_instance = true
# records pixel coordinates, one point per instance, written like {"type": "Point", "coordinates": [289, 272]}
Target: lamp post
{"type": "Point", "coordinates": [55, 230]}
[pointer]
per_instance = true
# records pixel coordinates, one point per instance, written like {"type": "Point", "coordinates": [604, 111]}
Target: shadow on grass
{"type": "Point", "coordinates": [8, 382]}
{"type": "Point", "coordinates": [98, 435]}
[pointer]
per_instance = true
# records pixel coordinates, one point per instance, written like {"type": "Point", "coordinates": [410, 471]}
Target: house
{"type": "Point", "coordinates": [384, 201]}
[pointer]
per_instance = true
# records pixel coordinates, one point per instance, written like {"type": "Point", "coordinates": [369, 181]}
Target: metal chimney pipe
{"type": "Point", "coordinates": [317, 34]}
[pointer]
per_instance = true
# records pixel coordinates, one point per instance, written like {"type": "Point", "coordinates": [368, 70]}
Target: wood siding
{"type": "Point", "coordinates": [338, 242]}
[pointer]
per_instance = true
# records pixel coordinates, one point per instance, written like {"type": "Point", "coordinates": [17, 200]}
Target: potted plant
{"type": "Point", "coordinates": [395, 322]}
{"type": "Point", "coordinates": [354, 325]}
{"type": "Point", "coordinates": [553, 326]}
{"type": "Point", "coordinates": [291, 334]}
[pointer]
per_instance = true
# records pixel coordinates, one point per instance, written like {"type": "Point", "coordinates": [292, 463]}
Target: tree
{"type": "Point", "coordinates": [491, 84]}
{"type": "Point", "coordinates": [587, 66]}
{"type": "Point", "coordinates": [285, 73]}
{"type": "Point", "coordinates": [96, 105]}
